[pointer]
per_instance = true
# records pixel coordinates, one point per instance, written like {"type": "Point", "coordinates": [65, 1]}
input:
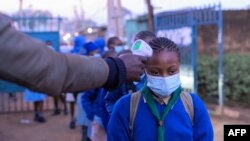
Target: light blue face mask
{"type": "Point", "coordinates": [118, 49]}
{"type": "Point", "coordinates": [163, 86]}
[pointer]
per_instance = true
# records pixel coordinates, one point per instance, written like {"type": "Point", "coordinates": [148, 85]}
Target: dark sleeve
{"type": "Point", "coordinates": [30, 63]}
{"type": "Point", "coordinates": [202, 128]}
{"type": "Point", "coordinates": [117, 73]}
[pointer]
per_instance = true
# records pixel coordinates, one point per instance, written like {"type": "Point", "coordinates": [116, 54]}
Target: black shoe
{"type": "Point", "coordinates": [40, 119]}
{"type": "Point", "coordinates": [72, 124]}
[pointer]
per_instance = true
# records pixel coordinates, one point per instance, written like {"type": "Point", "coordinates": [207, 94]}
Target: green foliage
{"type": "Point", "coordinates": [236, 77]}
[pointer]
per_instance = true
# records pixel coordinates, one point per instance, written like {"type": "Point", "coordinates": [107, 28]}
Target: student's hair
{"type": "Point", "coordinates": [144, 35]}
{"type": "Point", "coordinates": [161, 43]}
{"type": "Point", "coordinates": [112, 40]}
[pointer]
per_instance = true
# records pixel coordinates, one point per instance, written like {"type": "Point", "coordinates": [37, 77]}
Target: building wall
{"type": "Point", "coordinates": [133, 26]}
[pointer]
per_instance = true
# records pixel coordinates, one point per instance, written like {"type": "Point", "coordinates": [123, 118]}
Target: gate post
{"type": "Point", "coordinates": [194, 51]}
{"type": "Point", "coordinates": [220, 68]}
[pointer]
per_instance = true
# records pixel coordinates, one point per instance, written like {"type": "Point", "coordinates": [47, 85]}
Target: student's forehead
{"type": "Point", "coordinates": [164, 57]}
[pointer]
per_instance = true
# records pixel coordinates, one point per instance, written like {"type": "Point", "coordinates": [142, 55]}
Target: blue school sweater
{"type": "Point", "coordinates": [94, 104]}
{"type": "Point", "coordinates": [101, 108]}
{"type": "Point", "coordinates": [113, 96]}
{"type": "Point", "coordinates": [178, 126]}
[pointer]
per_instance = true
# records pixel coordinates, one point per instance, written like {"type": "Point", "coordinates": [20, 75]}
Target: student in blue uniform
{"type": "Point", "coordinates": [56, 99]}
{"type": "Point", "coordinates": [94, 105]}
{"type": "Point", "coordinates": [129, 87]}
{"type": "Point", "coordinates": [91, 49]}
{"type": "Point", "coordinates": [100, 42]}
{"type": "Point", "coordinates": [115, 44]}
{"type": "Point", "coordinates": [38, 100]}
{"type": "Point", "coordinates": [161, 113]}
{"type": "Point", "coordinates": [145, 35]}
{"type": "Point", "coordinates": [86, 101]}
{"type": "Point", "coordinates": [79, 42]}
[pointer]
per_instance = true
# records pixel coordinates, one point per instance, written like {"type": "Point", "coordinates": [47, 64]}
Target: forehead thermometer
{"type": "Point", "coordinates": [140, 47]}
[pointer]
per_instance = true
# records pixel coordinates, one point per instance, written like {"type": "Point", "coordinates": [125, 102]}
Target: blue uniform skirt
{"type": "Point", "coordinates": [31, 96]}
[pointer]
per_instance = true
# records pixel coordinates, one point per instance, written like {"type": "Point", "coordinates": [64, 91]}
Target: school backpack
{"type": "Point", "coordinates": [134, 101]}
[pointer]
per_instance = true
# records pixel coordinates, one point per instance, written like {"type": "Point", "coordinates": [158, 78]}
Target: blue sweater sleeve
{"type": "Point", "coordinates": [203, 130]}
{"type": "Point", "coordinates": [118, 128]}
{"type": "Point", "coordinates": [88, 103]}
{"type": "Point", "coordinates": [113, 96]}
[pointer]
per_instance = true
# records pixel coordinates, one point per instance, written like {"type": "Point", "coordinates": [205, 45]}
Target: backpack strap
{"type": "Point", "coordinates": [134, 102]}
{"type": "Point", "coordinates": [188, 104]}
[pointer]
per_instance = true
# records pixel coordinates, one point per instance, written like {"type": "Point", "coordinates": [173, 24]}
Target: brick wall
{"type": "Point", "coordinates": [236, 33]}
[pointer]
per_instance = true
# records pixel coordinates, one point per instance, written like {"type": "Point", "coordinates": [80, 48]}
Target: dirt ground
{"type": "Point", "coordinates": [56, 128]}
{"type": "Point", "coordinates": [219, 122]}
